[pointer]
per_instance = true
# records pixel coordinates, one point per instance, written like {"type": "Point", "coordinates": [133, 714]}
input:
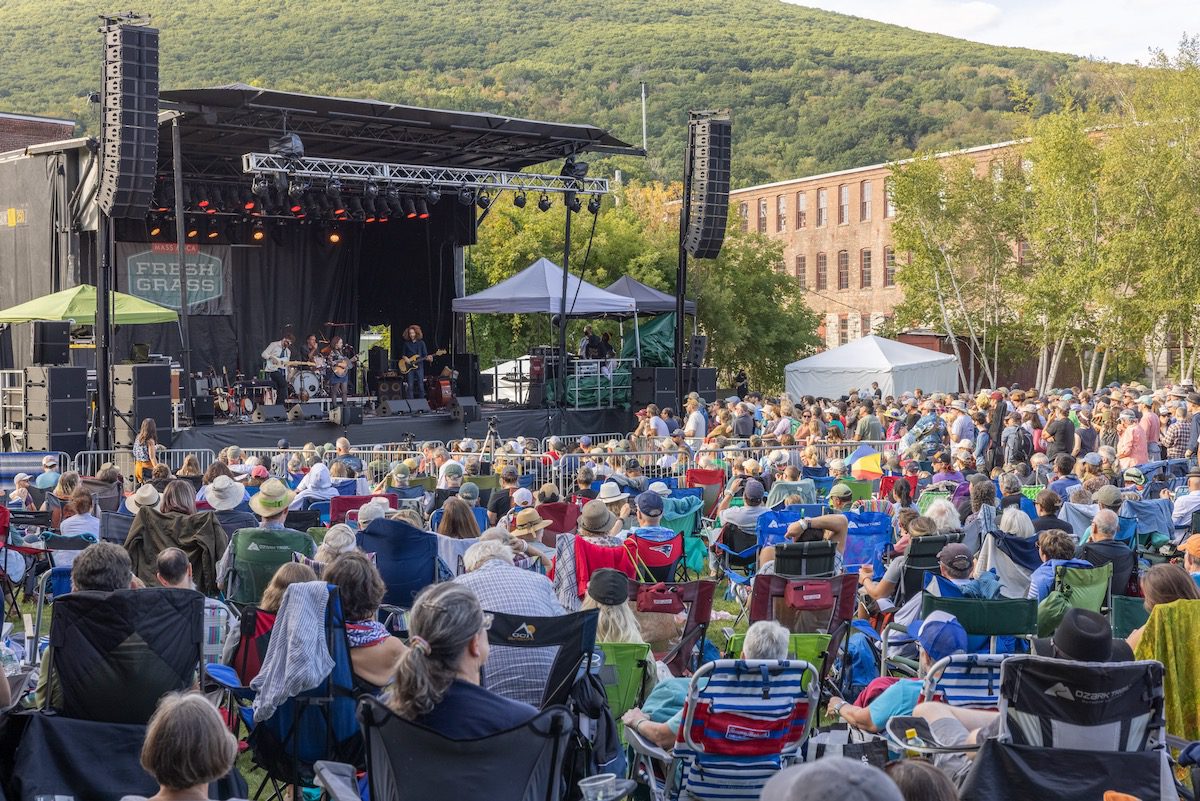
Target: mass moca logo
{"type": "Point", "coordinates": [154, 276]}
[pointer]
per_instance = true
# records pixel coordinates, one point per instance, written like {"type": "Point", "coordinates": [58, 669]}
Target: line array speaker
{"type": "Point", "coordinates": [129, 121]}
{"type": "Point", "coordinates": [141, 391]}
{"type": "Point", "coordinates": [56, 413]}
{"type": "Point", "coordinates": [709, 207]}
{"type": "Point", "coordinates": [51, 342]}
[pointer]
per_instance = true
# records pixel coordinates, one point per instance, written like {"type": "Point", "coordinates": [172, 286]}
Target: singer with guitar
{"type": "Point", "coordinates": [277, 355]}
{"type": "Point", "coordinates": [339, 370]}
{"type": "Point", "coordinates": [416, 355]}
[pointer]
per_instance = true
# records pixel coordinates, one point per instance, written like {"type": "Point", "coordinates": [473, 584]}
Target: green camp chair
{"type": "Point", "coordinates": [926, 499]}
{"type": "Point", "coordinates": [998, 617]}
{"type": "Point", "coordinates": [1127, 613]}
{"type": "Point", "coordinates": [427, 483]}
{"type": "Point", "coordinates": [859, 490]}
{"type": "Point", "coordinates": [1074, 587]}
{"type": "Point", "coordinates": [1031, 492]}
{"type": "Point", "coordinates": [490, 481]}
{"type": "Point", "coordinates": [626, 675]}
{"type": "Point", "coordinates": [807, 647]}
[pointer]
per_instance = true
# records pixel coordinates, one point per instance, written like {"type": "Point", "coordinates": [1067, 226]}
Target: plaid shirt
{"type": "Point", "coordinates": [516, 673]}
{"type": "Point", "coordinates": [1177, 439]}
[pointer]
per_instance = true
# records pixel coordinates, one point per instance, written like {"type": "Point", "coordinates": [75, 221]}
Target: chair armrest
{"type": "Point", "coordinates": [897, 726]}
{"type": "Point", "coordinates": [643, 746]}
{"type": "Point", "coordinates": [227, 678]}
{"type": "Point", "coordinates": [338, 779]}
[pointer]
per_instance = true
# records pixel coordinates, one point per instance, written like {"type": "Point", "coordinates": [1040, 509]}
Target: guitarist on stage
{"type": "Point", "coordinates": [414, 346]}
{"type": "Point", "coordinates": [277, 355]}
{"type": "Point", "coordinates": [339, 370]}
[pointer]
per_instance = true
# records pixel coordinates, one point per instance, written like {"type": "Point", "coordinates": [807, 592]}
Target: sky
{"type": "Point", "coordinates": [1115, 30]}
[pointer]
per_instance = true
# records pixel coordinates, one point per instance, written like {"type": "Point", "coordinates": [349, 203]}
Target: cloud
{"type": "Point", "coordinates": [1118, 30]}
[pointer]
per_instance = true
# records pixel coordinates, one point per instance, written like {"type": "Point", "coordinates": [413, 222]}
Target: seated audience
{"type": "Point", "coordinates": [458, 520]}
{"type": "Point", "coordinates": [179, 498]}
{"type": "Point", "coordinates": [288, 573]}
{"type": "Point", "coordinates": [339, 540]}
{"type": "Point", "coordinates": [1101, 549]}
{"type": "Point", "coordinates": [373, 650]}
{"type": "Point", "coordinates": [1056, 548]}
{"type": "Point", "coordinates": [174, 570]}
{"type": "Point", "coordinates": [1164, 584]}
{"type": "Point", "coordinates": [228, 500]}
{"type": "Point", "coordinates": [835, 777]}
{"type": "Point", "coordinates": [608, 591]}
{"type": "Point", "coordinates": [595, 523]}
{"type": "Point", "coordinates": [437, 679]}
{"type": "Point", "coordinates": [146, 495]}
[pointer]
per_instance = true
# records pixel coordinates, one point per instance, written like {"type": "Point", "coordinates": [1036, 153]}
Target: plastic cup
{"type": "Point", "coordinates": [601, 787]}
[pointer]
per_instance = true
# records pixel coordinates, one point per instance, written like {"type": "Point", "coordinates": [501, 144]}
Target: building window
{"type": "Point", "coordinates": [864, 201]}
{"type": "Point", "coordinates": [822, 272]}
{"type": "Point", "coordinates": [822, 206]}
{"type": "Point", "coordinates": [780, 214]}
{"type": "Point", "coordinates": [843, 269]}
{"type": "Point", "coordinates": [889, 208]}
{"type": "Point", "coordinates": [864, 269]}
{"type": "Point", "coordinates": [866, 325]}
{"type": "Point", "coordinates": [889, 267]}
{"type": "Point", "coordinates": [843, 204]}
{"type": "Point", "coordinates": [744, 215]}
{"type": "Point", "coordinates": [762, 215]}
{"type": "Point", "coordinates": [801, 210]}
{"type": "Point", "coordinates": [843, 329]}
{"type": "Point", "coordinates": [802, 271]}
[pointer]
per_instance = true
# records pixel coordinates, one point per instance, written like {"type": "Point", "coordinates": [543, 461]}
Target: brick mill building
{"type": "Point", "coordinates": [836, 231]}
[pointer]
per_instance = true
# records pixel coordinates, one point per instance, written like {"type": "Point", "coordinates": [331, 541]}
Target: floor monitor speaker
{"type": "Point", "coordinates": [274, 413]}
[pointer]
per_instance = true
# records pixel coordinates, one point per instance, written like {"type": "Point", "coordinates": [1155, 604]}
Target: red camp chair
{"type": "Point", "coordinates": [590, 557]}
{"type": "Point", "coordinates": [887, 482]}
{"type": "Point", "coordinates": [563, 517]}
{"type": "Point", "coordinates": [340, 504]}
{"type": "Point", "coordinates": [655, 560]}
{"type": "Point", "coordinates": [696, 597]}
{"type": "Point", "coordinates": [711, 481]}
{"type": "Point", "coordinates": [256, 626]}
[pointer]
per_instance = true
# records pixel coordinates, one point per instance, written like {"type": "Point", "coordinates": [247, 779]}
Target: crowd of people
{"type": "Point", "coordinates": [1063, 472]}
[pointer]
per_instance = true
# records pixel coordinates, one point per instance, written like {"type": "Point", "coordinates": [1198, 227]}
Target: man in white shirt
{"type": "Point", "coordinates": [695, 428]}
{"type": "Point", "coordinates": [445, 465]}
{"type": "Point", "coordinates": [277, 354]}
{"type": "Point", "coordinates": [1181, 515]}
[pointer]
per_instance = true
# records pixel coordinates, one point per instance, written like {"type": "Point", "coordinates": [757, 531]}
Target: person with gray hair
{"type": "Point", "coordinates": [944, 516]}
{"type": "Point", "coordinates": [438, 678]}
{"type": "Point", "coordinates": [485, 550]}
{"type": "Point", "coordinates": [1100, 547]}
{"type": "Point", "coordinates": [338, 540]}
{"type": "Point", "coordinates": [765, 639]}
{"type": "Point", "coordinates": [372, 510]}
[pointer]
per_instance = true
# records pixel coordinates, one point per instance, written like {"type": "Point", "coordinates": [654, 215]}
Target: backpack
{"type": "Point", "coordinates": [1019, 447]}
{"type": "Point", "coordinates": [595, 744]}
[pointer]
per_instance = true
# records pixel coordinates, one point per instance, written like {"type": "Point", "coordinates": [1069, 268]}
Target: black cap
{"type": "Point", "coordinates": [609, 587]}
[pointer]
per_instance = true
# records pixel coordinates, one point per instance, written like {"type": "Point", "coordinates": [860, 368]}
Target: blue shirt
{"type": "Point", "coordinates": [898, 700]}
{"type": "Point", "coordinates": [468, 711]}
{"type": "Point", "coordinates": [1063, 487]}
{"type": "Point", "coordinates": [665, 702]}
{"type": "Point", "coordinates": [1041, 581]}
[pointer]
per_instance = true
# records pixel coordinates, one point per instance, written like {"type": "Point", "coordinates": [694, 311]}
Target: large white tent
{"type": "Point", "coordinates": [538, 290]}
{"type": "Point", "coordinates": [896, 366]}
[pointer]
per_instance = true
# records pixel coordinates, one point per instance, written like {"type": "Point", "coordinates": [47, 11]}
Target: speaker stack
{"type": "Point", "coordinates": [129, 121]}
{"type": "Point", "coordinates": [141, 391]}
{"type": "Point", "coordinates": [391, 388]}
{"type": "Point", "coordinates": [657, 385]}
{"type": "Point", "coordinates": [51, 342]}
{"type": "Point", "coordinates": [56, 412]}
{"type": "Point", "coordinates": [709, 206]}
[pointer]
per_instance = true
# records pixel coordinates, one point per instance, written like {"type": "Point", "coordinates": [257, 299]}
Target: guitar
{"type": "Point", "coordinates": [406, 363]}
{"type": "Point", "coordinates": [274, 364]}
{"type": "Point", "coordinates": [342, 365]}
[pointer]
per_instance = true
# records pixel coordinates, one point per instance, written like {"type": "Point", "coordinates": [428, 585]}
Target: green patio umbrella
{"type": "Point", "coordinates": [79, 304]}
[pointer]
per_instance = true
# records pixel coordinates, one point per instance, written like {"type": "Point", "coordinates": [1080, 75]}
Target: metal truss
{"type": "Point", "coordinates": [383, 175]}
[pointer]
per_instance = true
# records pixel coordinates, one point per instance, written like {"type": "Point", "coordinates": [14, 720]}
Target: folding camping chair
{"type": "Point", "coordinates": [1127, 613]}
{"type": "Point", "coordinates": [1075, 587]}
{"type": "Point", "coordinates": [711, 481]}
{"type": "Point", "coordinates": [626, 672]}
{"type": "Point", "coordinates": [114, 527]}
{"type": "Point", "coordinates": [522, 764]}
{"type": "Point", "coordinates": [257, 554]}
{"type": "Point", "coordinates": [806, 559]}
{"type": "Point", "coordinates": [743, 721]}
{"type": "Point", "coordinates": [563, 517]}
{"type": "Point", "coordinates": [920, 558]}
{"type": "Point", "coordinates": [314, 724]}
{"type": "Point", "coordinates": [655, 557]}
{"type": "Point", "coordinates": [1069, 730]}
{"type": "Point", "coordinates": [406, 556]}
{"type": "Point", "coordinates": [55, 583]}
{"type": "Point", "coordinates": [985, 621]}
{"type": "Point", "coordinates": [693, 597]}
{"type": "Point", "coordinates": [573, 636]}
{"type": "Point", "coordinates": [340, 505]}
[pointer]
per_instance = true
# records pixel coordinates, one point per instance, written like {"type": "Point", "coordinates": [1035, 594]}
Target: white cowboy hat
{"type": "Point", "coordinates": [146, 495]}
{"type": "Point", "coordinates": [273, 497]}
{"type": "Point", "coordinates": [224, 493]}
{"type": "Point", "coordinates": [610, 492]}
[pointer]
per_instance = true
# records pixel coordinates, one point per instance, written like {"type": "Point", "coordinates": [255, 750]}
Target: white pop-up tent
{"type": "Point", "coordinates": [538, 290]}
{"type": "Point", "coordinates": [896, 366]}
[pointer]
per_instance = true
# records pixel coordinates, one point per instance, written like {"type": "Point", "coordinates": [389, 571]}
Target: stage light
{"type": "Point", "coordinates": [356, 208]}
{"type": "Point", "coordinates": [466, 196]}
{"type": "Point", "coordinates": [261, 187]}
{"type": "Point", "coordinates": [544, 202]}
{"type": "Point", "coordinates": [213, 231]}
{"type": "Point", "coordinates": [410, 210]}
{"type": "Point", "coordinates": [334, 237]}
{"type": "Point", "coordinates": [519, 200]}
{"type": "Point", "coordinates": [204, 198]}
{"type": "Point", "coordinates": [573, 203]}
{"type": "Point", "coordinates": [249, 201]}
{"type": "Point", "coordinates": [422, 209]}
{"type": "Point", "coordinates": [257, 232]}
{"type": "Point", "coordinates": [432, 196]}
{"type": "Point", "coordinates": [394, 204]}
{"type": "Point", "coordinates": [369, 192]}
{"type": "Point", "coordinates": [483, 201]}
{"type": "Point", "coordinates": [193, 229]}
{"type": "Point", "coordinates": [594, 204]}
{"type": "Point", "coordinates": [164, 196]}
{"type": "Point", "coordinates": [334, 192]}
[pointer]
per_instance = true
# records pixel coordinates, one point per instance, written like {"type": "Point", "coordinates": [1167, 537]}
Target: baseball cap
{"type": "Point", "coordinates": [522, 497]}
{"type": "Point", "coordinates": [585, 440]}
{"type": "Point", "coordinates": [454, 469]}
{"type": "Point", "coordinates": [1092, 459]}
{"type": "Point", "coordinates": [650, 504]}
{"type": "Point", "coordinates": [49, 461]}
{"type": "Point", "coordinates": [840, 491]}
{"type": "Point", "coordinates": [831, 777]}
{"type": "Point", "coordinates": [469, 491]}
{"type": "Point", "coordinates": [1191, 546]}
{"type": "Point", "coordinates": [609, 587]}
{"type": "Point", "coordinates": [1108, 495]}
{"type": "Point", "coordinates": [677, 432]}
{"type": "Point", "coordinates": [282, 444]}
{"type": "Point", "coordinates": [633, 464]}
{"type": "Point", "coordinates": [941, 635]}
{"type": "Point", "coordinates": [660, 488]}
{"type": "Point", "coordinates": [955, 555]}
{"type": "Point", "coordinates": [19, 477]}
{"type": "Point", "coordinates": [754, 490]}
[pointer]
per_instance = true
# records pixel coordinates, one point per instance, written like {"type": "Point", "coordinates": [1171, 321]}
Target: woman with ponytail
{"type": "Point", "coordinates": [438, 677]}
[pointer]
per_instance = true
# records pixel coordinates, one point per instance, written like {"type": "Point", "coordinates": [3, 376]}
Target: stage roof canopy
{"type": "Point", "coordinates": [538, 290]}
{"type": "Point", "coordinates": [649, 300]}
{"type": "Point", "coordinates": [223, 122]}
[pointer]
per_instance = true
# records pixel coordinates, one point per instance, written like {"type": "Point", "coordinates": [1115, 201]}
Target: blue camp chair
{"type": "Point", "coordinates": [407, 558]}
{"type": "Point", "coordinates": [407, 493]}
{"type": "Point", "coordinates": [316, 724]}
{"type": "Point", "coordinates": [814, 472]}
{"type": "Point", "coordinates": [824, 484]}
{"type": "Point", "coordinates": [807, 509]}
{"type": "Point", "coordinates": [481, 518]}
{"type": "Point", "coordinates": [868, 538]}
{"type": "Point", "coordinates": [321, 508]}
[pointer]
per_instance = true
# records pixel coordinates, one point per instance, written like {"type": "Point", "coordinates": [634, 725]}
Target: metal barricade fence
{"type": "Point", "coordinates": [175, 457]}
{"type": "Point", "coordinates": [568, 442]}
{"type": "Point", "coordinates": [88, 463]}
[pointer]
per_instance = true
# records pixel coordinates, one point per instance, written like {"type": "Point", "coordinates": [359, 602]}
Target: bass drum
{"type": "Point", "coordinates": [246, 406]}
{"type": "Point", "coordinates": [306, 385]}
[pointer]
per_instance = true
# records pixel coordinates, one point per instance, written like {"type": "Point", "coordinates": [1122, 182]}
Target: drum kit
{"type": "Point", "coordinates": [238, 399]}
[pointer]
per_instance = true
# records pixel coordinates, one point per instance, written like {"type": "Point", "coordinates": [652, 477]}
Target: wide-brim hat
{"type": "Point", "coordinates": [224, 493]}
{"type": "Point", "coordinates": [146, 495]}
{"type": "Point", "coordinates": [272, 498]}
{"type": "Point", "coordinates": [596, 517]}
{"type": "Point", "coordinates": [528, 522]}
{"type": "Point", "coordinates": [610, 492]}
{"type": "Point", "coordinates": [1083, 636]}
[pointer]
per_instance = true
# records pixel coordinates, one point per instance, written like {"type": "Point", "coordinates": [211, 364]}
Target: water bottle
{"type": "Point", "coordinates": [9, 661]}
{"type": "Point", "coordinates": [911, 739]}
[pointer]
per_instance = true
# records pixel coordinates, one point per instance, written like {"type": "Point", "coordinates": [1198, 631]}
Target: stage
{"type": "Point", "coordinates": [510, 423]}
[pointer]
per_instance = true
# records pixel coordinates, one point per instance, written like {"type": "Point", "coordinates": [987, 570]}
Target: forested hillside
{"type": "Point", "coordinates": [810, 90]}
